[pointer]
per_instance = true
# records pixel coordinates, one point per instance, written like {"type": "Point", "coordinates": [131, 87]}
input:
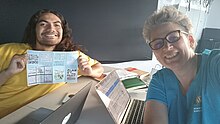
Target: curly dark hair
{"type": "Point", "coordinates": [66, 43]}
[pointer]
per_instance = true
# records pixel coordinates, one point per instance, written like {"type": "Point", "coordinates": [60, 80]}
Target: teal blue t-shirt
{"type": "Point", "coordinates": [201, 104]}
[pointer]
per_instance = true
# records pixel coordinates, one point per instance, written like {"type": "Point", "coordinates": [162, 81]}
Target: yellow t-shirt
{"type": "Point", "coordinates": [15, 93]}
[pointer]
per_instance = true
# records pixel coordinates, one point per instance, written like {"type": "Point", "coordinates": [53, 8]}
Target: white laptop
{"type": "Point", "coordinates": [68, 113]}
{"type": "Point", "coordinates": [122, 108]}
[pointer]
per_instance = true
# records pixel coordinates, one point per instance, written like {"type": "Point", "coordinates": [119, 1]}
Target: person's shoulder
{"type": "Point", "coordinates": [210, 54]}
{"type": "Point", "coordinates": [214, 56]}
{"type": "Point", "coordinates": [80, 52]}
{"type": "Point", "coordinates": [215, 52]}
{"type": "Point", "coordinates": [211, 58]}
{"type": "Point", "coordinates": [15, 46]}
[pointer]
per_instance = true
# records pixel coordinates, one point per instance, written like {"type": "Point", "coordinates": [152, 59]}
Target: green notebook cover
{"type": "Point", "coordinates": [133, 83]}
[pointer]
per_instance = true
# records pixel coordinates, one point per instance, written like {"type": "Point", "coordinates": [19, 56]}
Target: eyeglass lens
{"type": "Point", "coordinates": [171, 37]}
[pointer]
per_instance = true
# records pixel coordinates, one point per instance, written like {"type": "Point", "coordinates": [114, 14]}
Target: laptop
{"type": "Point", "coordinates": [122, 108]}
{"type": "Point", "coordinates": [67, 113]}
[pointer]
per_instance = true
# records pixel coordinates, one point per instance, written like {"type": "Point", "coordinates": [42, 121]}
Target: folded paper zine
{"type": "Point", "coordinates": [48, 67]}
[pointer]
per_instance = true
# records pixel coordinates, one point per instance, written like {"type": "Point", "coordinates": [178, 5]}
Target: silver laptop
{"type": "Point", "coordinates": [122, 108]}
{"type": "Point", "coordinates": [68, 113]}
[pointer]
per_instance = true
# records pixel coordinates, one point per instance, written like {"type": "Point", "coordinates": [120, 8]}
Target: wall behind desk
{"type": "Point", "coordinates": [110, 30]}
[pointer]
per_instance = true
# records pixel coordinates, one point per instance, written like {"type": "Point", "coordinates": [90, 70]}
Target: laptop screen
{"type": "Point", "coordinates": [68, 113]}
{"type": "Point", "coordinates": [114, 95]}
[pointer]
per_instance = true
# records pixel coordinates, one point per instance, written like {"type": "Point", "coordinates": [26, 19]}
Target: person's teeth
{"type": "Point", "coordinates": [170, 56]}
{"type": "Point", "coordinates": [50, 35]}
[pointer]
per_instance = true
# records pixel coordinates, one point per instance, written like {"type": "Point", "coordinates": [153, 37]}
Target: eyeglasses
{"type": "Point", "coordinates": [171, 37]}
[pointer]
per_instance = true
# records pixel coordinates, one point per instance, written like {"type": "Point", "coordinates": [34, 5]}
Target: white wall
{"type": "Point", "coordinates": [213, 20]}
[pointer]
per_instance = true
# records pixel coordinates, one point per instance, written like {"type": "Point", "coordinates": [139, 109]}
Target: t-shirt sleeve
{"type": "Point", "coordinates": [90, 60]}
{"type": "Point", "coordinates": [156, 90]}
{"type": "Point", "coordinates": [7, 51]}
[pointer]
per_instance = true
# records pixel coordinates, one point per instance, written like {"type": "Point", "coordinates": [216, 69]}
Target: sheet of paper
{"type": "Point", "coordinates": [48, 67]}
{"type": "Point", "coordinates": [117, 98]}
{"type": "Point", "coordinates": [124, 74]}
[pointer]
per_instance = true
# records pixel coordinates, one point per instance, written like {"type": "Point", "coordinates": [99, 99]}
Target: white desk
{"type": "Point", "coordinates": [51, 101]}
{"type": "Point", "coordinates": [94, 111]}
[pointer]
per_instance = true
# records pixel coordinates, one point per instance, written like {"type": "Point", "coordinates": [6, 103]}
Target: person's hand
{"type": "Point", "coordinates": [17, 64]}
{"type": "Point", "coordinates": [84, 67]}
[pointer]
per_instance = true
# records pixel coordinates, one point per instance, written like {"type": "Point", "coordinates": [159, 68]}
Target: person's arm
{"type": "Point", "coordinates": [97, 70]}
{"type": "Point", "coordinates": [85, 69]}
{"type": "Point", "coordinates": [16, 65]}
{"type": "Point", "coordinates": [155, 113]}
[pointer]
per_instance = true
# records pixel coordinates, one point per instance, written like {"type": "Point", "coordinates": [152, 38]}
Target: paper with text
{"type": "Point", "coordinates": [48, 67]}
{"type": "Point", "coordinates": [114, 95]}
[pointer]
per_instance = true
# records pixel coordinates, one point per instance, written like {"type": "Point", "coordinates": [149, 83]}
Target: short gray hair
{"type": "Point", "coordinates": [167, 14]}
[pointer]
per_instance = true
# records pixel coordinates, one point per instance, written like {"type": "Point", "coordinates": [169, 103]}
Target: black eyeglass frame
{"type": "Point", "coordinates": [165, 38]}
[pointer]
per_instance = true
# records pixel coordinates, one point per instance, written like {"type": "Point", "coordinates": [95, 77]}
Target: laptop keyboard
{"type": "Point", "coordinates": [135, 115]}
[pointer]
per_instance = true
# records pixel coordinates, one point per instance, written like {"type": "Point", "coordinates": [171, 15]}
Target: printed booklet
{"type": "Point", "coordinates": [48, 67]}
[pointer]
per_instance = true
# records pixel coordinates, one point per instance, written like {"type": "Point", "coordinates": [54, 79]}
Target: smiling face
{"type": "Point", "coordinates": [49, 32]}
{"type": "Point", "coordinates": [173, 55]}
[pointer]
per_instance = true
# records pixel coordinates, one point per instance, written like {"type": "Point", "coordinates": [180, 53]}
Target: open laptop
{"type": "Point", "coordinates": [67, 113]}
{"type": "Point", "coordinates": [122, 108]}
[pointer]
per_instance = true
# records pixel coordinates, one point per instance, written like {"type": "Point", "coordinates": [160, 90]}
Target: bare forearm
{"type": "Point", "coordinates": [97, 70]}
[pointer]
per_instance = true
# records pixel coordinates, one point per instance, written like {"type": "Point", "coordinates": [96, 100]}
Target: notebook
{"type": "Point", "coordinates": [134, 83]}
{"type": "Point", "coordinates": [122, 108]}
{"type": "Point", "coordinates": [67, 113]}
